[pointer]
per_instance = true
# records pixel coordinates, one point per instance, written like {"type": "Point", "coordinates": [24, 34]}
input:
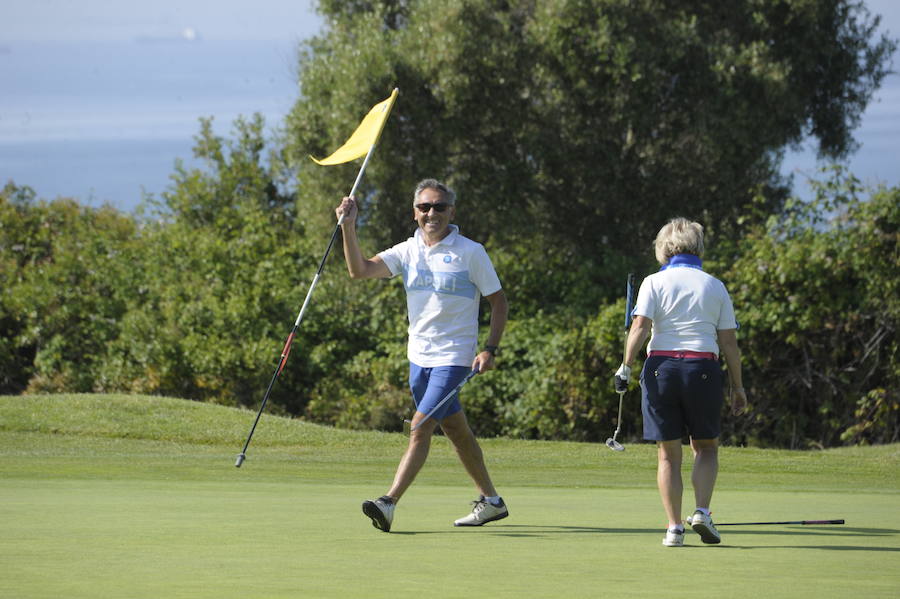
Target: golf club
{"type": "Point", "coordinates": [629, 298]}
{"type": "Point", "coordinates": [611, 442]}
{"type": "Point", "coordinates": [803, 522]}
{"type": "Point", "coordinates": [407, 424]}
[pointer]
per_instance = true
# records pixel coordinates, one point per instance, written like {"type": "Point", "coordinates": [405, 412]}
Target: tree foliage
{"type": "Point", "coordinates": [217, 273]}
{"type": "Point", "coordinates": [572, 130]}
{"type": "Point", "coordinates": [817, 292]}
{"type": "Point", "coordinates": [62, 269]}
{"type": "Point", "coordinates": [94, 300]}
{"type": "Point", "coordinates": [578, 126]}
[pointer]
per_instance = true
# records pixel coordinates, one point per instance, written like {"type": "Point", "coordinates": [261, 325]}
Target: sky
{"type": "Point", "coordinates": [878, 158]}
{"type": "Point", "coordinates": [123, 20]}
{"type": "Point", "coordinates": [283, 23]}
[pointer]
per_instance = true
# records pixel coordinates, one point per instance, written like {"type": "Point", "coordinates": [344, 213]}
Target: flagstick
{"type": "Point", "coordinates": [287, 346]}
{"type": "Point", "coordinates": [334, 233]}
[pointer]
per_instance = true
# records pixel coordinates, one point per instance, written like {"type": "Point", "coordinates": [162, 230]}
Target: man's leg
{"type": "Point", "coordinates": [414, 458]}
{"type": "Point", "coordinates": [668, 479]}
{"type": "Point", "coordinates": [381, 510]}
{"type": "Point", "coordinates": [456, 428]}
{"type": "Point", "coordinates": [490, 507]}
{"type": "Point", "coordinates": [425, 390]}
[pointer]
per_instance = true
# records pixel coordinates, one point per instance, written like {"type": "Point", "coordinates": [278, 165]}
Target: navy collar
{"type": "Point", "coordinates": [685, 261]}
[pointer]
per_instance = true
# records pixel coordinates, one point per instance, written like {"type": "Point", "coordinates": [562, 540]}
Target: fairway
{"type": "Point", "coordinates": [115, 496]}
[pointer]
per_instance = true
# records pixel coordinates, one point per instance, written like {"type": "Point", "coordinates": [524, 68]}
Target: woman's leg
{"type": "Point", "coordinates": [668, 479]}
{"type": "Point", "coordinates": [706, 468]}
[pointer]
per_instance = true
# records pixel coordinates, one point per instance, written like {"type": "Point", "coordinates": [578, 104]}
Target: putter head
{"type": "Point", "coordinates": [614, 445]}
{"type": "Point", "coordinates": [240, 460]}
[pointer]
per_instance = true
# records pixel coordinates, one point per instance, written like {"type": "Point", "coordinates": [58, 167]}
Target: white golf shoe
{"type": "Point", "coordinates": [703, 526]}
{"type": "Point", "coordinates": [674, 537]}
{"type": "Point", "coordinates": [483, 512]}
{"type": "Point", "coordinates": [381, 511]}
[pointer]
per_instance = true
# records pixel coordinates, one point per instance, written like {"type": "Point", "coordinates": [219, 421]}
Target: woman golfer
{"type": "Point", "coordinates": [692, 321]}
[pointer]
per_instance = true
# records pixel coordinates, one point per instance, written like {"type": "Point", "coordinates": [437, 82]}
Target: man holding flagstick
{"type": "Point", "coordinates": [445, 275]}
{"type": "Point", "coordinates": [361, 143]}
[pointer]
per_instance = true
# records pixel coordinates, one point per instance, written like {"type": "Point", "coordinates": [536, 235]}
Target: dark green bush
{"type": "Point", "coordinates": [817, 294]}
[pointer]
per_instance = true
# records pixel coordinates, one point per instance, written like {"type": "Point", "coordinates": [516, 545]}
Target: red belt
{"type": "Point", "coordinates": [701, 355]}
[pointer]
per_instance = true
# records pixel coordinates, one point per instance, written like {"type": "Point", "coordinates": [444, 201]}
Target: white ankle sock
{"type": "Point", "coordinates": [703, 510]}
{"type": "Point", "coordinates": [494, 501]}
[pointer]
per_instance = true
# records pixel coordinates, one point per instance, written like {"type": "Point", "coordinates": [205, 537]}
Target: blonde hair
{"type": "Point", "coordinates": [678, 236]}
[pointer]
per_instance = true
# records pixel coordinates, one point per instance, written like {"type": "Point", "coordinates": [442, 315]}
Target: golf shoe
{"type": "Point", "coordinates": [703, 526]}
{"type": "Point", "coordinates": [483, 512]}
{"type": "Point", "coordinates": [381, 511]}
{"type": "Point", "coordinates": [674, 537]}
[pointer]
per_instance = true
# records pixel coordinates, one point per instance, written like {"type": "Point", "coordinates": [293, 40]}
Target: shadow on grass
{"type": "Point", "coordinates": [531, 530]}
{"type": "Point", "coordinates": [831, 532]}
{"type": "Point", "coordinates": [842, 533]}
{"type": "Point", "coordinates": [792, 530]}
{"type": "Point", "coordinates": [825, 547]}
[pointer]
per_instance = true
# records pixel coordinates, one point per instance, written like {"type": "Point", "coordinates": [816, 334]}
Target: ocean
{"type": "Point", "coordinates": [106, 121]}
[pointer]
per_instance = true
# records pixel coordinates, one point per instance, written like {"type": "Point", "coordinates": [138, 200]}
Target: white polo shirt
{"type": "Point", "coordinates": [444, 284]}
{"type": "Point", "coordinates": [687, 307]}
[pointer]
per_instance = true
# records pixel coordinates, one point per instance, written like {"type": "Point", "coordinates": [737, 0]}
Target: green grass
{"type": "Point", "coordinates": [125, 496]}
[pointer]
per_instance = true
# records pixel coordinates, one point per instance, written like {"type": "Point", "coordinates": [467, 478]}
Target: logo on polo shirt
{"type": "Point", "coordinates": [451, 283]}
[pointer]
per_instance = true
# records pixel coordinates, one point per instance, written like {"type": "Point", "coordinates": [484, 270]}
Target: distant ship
{"type": "Point", "coordinates": [188, 34]}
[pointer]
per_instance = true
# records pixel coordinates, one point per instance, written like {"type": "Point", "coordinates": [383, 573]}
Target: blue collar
{"type": "Point", "coordinates": [685, 261]}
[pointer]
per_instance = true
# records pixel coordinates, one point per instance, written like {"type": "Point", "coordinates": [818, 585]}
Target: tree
{"type": "Point", "coordinates": [817, 294]}
{"type": "Point", "coordinates": [218, 274]}
{"type": "Point", "coordinates": [64, 274]}
{"type": "Point", "coordinates": [573, 129]}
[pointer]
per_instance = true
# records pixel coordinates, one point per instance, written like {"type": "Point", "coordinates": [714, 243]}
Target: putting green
{"type": "Point", "coordinates": [99, 515]}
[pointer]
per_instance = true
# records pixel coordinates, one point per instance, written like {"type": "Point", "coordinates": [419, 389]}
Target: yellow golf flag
{"type": "Point", "coordinates": [365, 136]}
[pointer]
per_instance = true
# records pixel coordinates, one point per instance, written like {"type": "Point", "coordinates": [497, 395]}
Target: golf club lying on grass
{"type": "Point", "coordinates": [803, 522]}
{"type": "Point", "coordinates": [407, 424]}
{"type": "Point", "coordinates": [622, 385]}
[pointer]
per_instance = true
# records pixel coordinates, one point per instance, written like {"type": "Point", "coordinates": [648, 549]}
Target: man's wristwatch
{"type": "Point", "coordinates": [492, 349]}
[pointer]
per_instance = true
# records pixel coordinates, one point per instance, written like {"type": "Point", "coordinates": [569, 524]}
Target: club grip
{"type": "Point", "coordinates": [629, 299]}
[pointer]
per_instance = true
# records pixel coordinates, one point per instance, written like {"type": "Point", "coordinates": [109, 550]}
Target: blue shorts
{"type": "Point", "coordinates": [430, 385]}
{"type": "Point", "coordinates": [681, 396]}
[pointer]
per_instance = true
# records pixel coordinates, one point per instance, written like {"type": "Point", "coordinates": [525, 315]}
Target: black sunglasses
{"type": "Point", "coordinates": [426, 208]}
